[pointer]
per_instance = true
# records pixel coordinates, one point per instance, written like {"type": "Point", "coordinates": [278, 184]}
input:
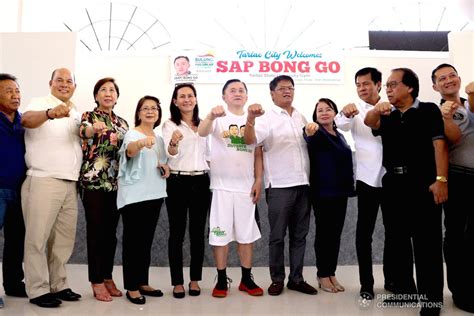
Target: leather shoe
{"type": "Point", "coordinates": [179, 294]}
{"type": "Point", "coordinates": [136, 300]}
{"type": "Point", "coordinates": [154, 293]}
{"type": "Point", "coordinates": [46, 300]}
{"type": "Point", "coordinates": [275, 288]}
{"type": "Point", "coordinates": [367, 292]}
{"type": "Point", "coordinates": [16, 291]}
{"type": "Point", "coordinates": [390, 286]}
{"type": "Point", "coordinates": [302, 287]}
{"type": "Point", "coordinates": [465, 305]}
{"type": "Point", "coordinates": [67, 295]}
{"type": "Point", "coordinates": [193, 292]}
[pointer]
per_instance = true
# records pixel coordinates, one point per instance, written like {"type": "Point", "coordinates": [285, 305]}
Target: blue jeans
{"type": "Point", "coordinates": [9, 199]}
{"type": "Point", "coordinates": [11, 219]}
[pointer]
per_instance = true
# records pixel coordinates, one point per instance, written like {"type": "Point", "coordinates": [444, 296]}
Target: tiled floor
{"type": "Point", "coordinates": [237, 303]}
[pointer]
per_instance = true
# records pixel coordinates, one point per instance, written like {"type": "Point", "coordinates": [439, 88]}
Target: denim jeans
{"type": "Point", "coordinates": [8, 199]}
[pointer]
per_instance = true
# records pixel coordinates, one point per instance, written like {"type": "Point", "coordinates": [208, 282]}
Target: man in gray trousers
{"type": "Point", "coordinates": [286, 165]}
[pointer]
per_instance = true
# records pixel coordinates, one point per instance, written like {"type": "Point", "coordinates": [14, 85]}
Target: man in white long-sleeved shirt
{"type": "Point", "coordinates": [369, 176]}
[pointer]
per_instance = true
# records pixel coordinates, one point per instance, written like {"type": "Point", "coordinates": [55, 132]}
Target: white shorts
{"type": "Point", "coordinates": [232, 218]}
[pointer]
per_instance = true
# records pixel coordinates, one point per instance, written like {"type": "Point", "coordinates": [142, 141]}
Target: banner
{"type": "Point", "coordinates": [258, 67]}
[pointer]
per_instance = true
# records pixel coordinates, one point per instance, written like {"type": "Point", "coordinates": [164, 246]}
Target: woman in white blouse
{"type": "Point", "coordinates": [187, 187]}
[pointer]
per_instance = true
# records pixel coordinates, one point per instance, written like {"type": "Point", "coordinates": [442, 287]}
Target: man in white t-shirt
{"type": "Point", "coordinates": [48, 195]}
{"type": "Point", "coordinates": [236, 181]}
{"type": "Point", "coordinates": [280, 131]}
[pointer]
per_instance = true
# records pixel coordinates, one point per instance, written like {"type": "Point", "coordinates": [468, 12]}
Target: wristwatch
{"type": "Point", "coordinates": [441, 179]}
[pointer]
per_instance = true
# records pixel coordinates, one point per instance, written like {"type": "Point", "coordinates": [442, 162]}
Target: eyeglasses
{"type": "Point", "coordinates": [153, 109]}
{"type": "Point", "coordinates": [282, 89]}
{"type": "Point", "coordinates": [391, 84]}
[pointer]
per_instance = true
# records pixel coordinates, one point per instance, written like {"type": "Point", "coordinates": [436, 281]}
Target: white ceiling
{"type": "Point", "coordinates": [248, 24]}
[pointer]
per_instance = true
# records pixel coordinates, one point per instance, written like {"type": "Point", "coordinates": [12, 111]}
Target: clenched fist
{"type": "Point", "coordinates": [217, 111]}
{"type": "Point", "coordinates": [470, 88]}
{"type": "Point", "coordinates": [448, 109]}
{"type": "Point", "coordinates": [311, 128]}
{"type": "Point", "coordinates": [99, 127]}
{"type": "Point", "coordinates": [350, 110]}
{"type": "Point", "coordinates": [255, 110]}
{"type": "Point", "coordinates": [176, 137]}
{"type": "Point", "coordinates": [147, 142]}
{"type": "Point", "coordinates": [60, 111]}
{"type": "Point", "coordinates": [383, 108]}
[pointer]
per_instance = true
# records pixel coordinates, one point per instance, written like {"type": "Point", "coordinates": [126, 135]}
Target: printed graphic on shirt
{"type": "Point", "coordinates": [236, 137]}
{"type": "Point", "coordinates": [218, 232]}
{"type": "Point", "coordinates": [458, 116]}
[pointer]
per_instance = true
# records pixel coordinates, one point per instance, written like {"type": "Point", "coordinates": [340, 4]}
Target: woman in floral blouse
{"type": "Point", "coordinates": [102, 132]}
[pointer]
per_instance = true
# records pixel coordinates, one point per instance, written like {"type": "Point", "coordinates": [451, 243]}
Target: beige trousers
{"type": "Point", "coordinates": [50, 213]}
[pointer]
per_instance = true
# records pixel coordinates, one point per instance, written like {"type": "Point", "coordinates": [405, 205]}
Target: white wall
{"type": "Point", "coordinates": [461, 52]}
{"type": "Point", "coordinates": [32, 57]}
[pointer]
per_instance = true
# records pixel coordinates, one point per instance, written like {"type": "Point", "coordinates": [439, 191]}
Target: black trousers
{"type": "Point", "coordinates": [415, 221]}
{"type": "Point", "coordinates": [187, 196]}
{"type": "Point", "coordinates": [459, 236]}
{"type": "Point", "coordinates": [369, 199]}
{"type": "Point", "coordinates": [14, 243]}
{"type": "Point", "coordinates": [101, 222]}
{"type": "Point", "coordinates": [139, 225]}
{"type": "Point", "coordinates": [329, 216]}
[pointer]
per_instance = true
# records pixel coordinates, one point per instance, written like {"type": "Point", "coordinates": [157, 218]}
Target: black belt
{"type": "Point", "coordinates": [461, 170]}
{"type": "Point", "coordinates": [189, 173]}
{"type": "Point", "coordinates": [398, 170]}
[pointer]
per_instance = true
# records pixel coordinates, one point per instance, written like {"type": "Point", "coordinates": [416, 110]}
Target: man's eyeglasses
{"type": "Point", "coordinates": [391, 84]}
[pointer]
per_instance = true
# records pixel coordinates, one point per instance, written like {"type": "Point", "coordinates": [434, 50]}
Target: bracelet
{"type": "Point", "coordinates": [173, 145]}
{"type": "Point", "coordinates": [250, 123]}
{"type": "Point", "coordinates": [47, 114]}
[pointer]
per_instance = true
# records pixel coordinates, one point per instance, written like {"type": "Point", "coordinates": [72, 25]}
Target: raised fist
{"type": "Point", "coordinates": [311, 128]}
{"type": "Point", "coordinates": [350, 110]}
{"type": "Point", "coordinates": [384, 108]}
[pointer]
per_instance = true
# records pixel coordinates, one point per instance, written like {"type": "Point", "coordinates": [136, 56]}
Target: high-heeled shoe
{"type": "Point", "coordinates": [100, 292]}
{"type": "Point", "coordinates": [331, 289]}
{"type": "Point", "coordinates": [336, 284]}
{"type": "Point", "coordinates": [136, 300]}
{"type": "Point", "coordinates": [112, 288]}
{"type": "Point", "coordinates": [193, 292]}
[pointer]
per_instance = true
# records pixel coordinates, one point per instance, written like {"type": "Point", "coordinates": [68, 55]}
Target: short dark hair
{"type": "Point", "coordinates": [139, 107]}
{"type": "Point", "coordinates": [175, 112]}
{"type": "Point", "coordinates": [410, 79]}
{"type": "Point", "coordinates": [375, 75]}
{"type": "Point", "coordinates": [277, 79]}
{"type": "Point", "coordinates": [5, 76]}
{"type": "Point", "coordinates": [329, 102]}
{"type": "Point", "coordinates": [179, 57]}
{"type": "Point", "coordinates": [444, 65]}
{"type": "Point", "coordinates": [100, 83]}
{"type": "Point", "coordinates": [232, 81]}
